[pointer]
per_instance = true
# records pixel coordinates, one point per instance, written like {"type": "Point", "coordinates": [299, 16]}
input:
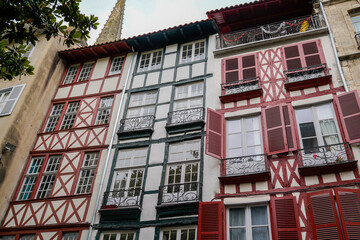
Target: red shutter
{"type": "Point", "coordinates": [312, 54]}
{"type": "Point", "coordinates": [211, 220]}
{"type": "Point", "coordinates": [248, 67]}
{"type": "Point", "coordinates": [285, 218]}
{"type": "Point", "coordinates": [231, 70]}
{"type": "Point", "coordinates": [289, 127]}
{"type": "Point", "coordinates": [275, 131]}
{"type": "Point", "coordinates": [324, 217]}
{"type": "Point", "coordinates": [214, 134]}
{"type": "Point", "coordinates": [348, 201]}
{"type": "Point", "coordinates": [292, 57]}
{"type": "Point", "coordinates": [349, 108]}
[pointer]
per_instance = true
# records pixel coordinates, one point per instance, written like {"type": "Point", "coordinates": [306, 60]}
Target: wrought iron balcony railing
{"type": "Point", "coordinates": [325, 155]}
{"type": "Point", "coordinates": [185, 116]}
{"type": "Point", "coordinates": [241, 86]}
{"type": "Point", "coordinates": [245, 165]}
{"type": "Point", "coordinates": [122, 198]}
{"type": "Point", "coordinates": [137, 123]}
{"type": "Point", "coordinates": [269, 31]}
{"type": "Point", "coordinates": [357, 37]}
{"type": "Point", "coordinates": [306, 73]}
{"type": "Point", "coordinates": [180, 192]}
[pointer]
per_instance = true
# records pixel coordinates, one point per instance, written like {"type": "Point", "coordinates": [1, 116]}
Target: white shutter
{"type": "Point", "coordinates": [12, 99]}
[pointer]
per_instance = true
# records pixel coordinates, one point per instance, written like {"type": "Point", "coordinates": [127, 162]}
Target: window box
{"type": "Point", "coordinates": [241, 90]}
{"type": "Point", "coordinates": [244, 169]}
{"type": "Point", "coordinates": [307, 77]}
{"type": "Point", "coordinates": [136, 127]}
{"type": "Point", "coordinates": [326, 159]}
{"type": "Point", "coordinates": [185, 120]}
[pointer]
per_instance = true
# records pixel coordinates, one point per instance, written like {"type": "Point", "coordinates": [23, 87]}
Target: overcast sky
{"type": "Point", "coordinates": [144, 16]}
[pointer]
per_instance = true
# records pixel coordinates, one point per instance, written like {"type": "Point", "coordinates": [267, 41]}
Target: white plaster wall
{"type": "Point", "coordinates": [165, 94]}
{"type": "Point", "coordinates": [94, 87]}
{"type": "Point", "coordinates": [149, 211]}
{"type": "Point", "coordinates": [154, 177]}
{"type": "Point", "coordinates": [167, 75]}
{"type": "Point", "coordinates": [159, 130]}
{"type": "Point", "coordinates": [171, 48]}
{"type": "Point", "coordinates": [198, 69]}
{"type": "Point", "coordinates": [170, 60]}
{"type": "Point", "coordinates": [152, 78]}
{"type": "Point", "coordinates": [78, 90]}
{"type": "Point", "coordinates": [100, 68]}
{"type": "Point", "coordinates": [162, 111]}
{"type": "Point", "coordinates": [110, 84]}
{"type": "Point", "coordinates": [183, 72]}
{"type": "Point", "coordinates": [157, 153]}
{"type": "Point", "coordinates": [62, 92]}
{"type": "Point", "coordinates": [138, 81]}
{"type": "Point", "coordinates": [146, 232]}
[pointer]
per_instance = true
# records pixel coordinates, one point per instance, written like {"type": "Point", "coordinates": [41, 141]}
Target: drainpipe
{"type": "Point", "coordinates": [110, 146]}
{"type": "Point", "coordinates": [334, 48]}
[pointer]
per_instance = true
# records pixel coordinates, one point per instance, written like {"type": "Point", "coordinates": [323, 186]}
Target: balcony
{"type": "Point", "coordinates": [271, 31]}
{"type": "Point", "coordinates": [326, 159]}
{"type": "Point", "coordinates": [241, 90]}
{"type": "Point", "coordinates": [357, 38]}
{"type": "Point", "coordinates": [244, 169]}
{"type": "Point", "coordinates": [185, 120]}
{"type": "Point", "coordinates": [121, 205]}
{"type": "Point", "coordinates": [307, 77]}
{"type": "Point", "coordinates": [179, 199]}
{"type": "Point", "coordinates": [136, 127]}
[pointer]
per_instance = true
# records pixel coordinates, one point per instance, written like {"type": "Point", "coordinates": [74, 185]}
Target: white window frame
{"type": "Point", "coordinates": [104, 110]}
{"type": "Point", "coordinates": [48, 176]}
{"type": "Point", "coordinates": [186, 98]}
{"type": "Point", "coordinates": [89, 171]}
{"type": "Point", "coordinates": [248, 225]}
{"type": "Point", "coordinates": [70, 76]}
{"type": "Point", "coordinates": [27, 237]}
{"type": "Point", "coordinates": [54, 114]}
{"type": "Point", "coordinates": [178, 232]}
{"type": "Point", "coordinates": [85, 71]}
{"type": "Point", "coordinates": [117, 64]}
{"type": "Point", "coordinates": [118, 235]}
{"type": "Point", "coordinates": [70, 236]}
{"type": "Point", "coordinates": [355, 19]}
{"type": "Point", "coordinates": [316, 121]}
{"type": "Point", "coordinates": [69, 117]}
{"type": "Point", "coordinates": [150, 60]}
{"type": "Point", "coordinates": [244, 143]}
{"type": "Point", "coordinates": [144, 106]}
{"type": "Point", "coordinates": [192, 47]}
{"type": "Point", "coordinates": [10, 96]}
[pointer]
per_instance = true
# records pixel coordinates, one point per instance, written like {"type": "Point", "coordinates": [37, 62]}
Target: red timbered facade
{"type": "Point", "coordinates": [54, 198]}
{"type": "Point", "coordinates": [284, 129]}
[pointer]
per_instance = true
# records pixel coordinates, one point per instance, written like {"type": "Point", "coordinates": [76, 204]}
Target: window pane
{"type": "Point", "coordinates": [328, 127]}
{"type": "Point", "coordinates": [116, 65]}
{"type": "Point", "coordinates": [252, 123]}
{"type": "Point", "coordinates": [259, 215]}
{"type": "Point", "coordinates": [70, 236]}
{"type": "Point", "coordinates": [85, 71]}
{"type": "Point", "coordinates": [237, 234]}
{"type": "Point", "coordinates": [237, 217]}
{"type": "Point", "coordinates": [70, 75]}
{"type": "Point", "coordinates": [234, 141]}
{"type": "Point", "coordinates": [253, 138]}
{"type": "Point", "coordinates": [304, 115]}
{"type": "Point", "coordinates": [260, 233]}
{"type": "Point", "coordinates": [307, 130]}
{"type": "Point", "coordinates": [233, 126]}
{"type": "Point", "coordinates": [310, 143]}
{"type": "Point", "coordinates": [27, 237]}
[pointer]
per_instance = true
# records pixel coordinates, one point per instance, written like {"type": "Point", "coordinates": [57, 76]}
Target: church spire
{"type": "Point", "coordinates": [113, 26]}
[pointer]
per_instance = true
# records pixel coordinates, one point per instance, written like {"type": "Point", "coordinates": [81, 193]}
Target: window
{"type": "Point", "coordinates": [48, 177]}
{"type": "Point", "coordinates": [192, 51]}
{"type": "Point", "coordinates": [150, 61]}
{"type": "Point", "coordinates": [67, 120]}
{"type": "Point", "coordinates": [116, 65]}
{"type": "Point", "coordinates": [8, 99]}
{"type": "Point", "coordinates": [73, 74]}
{"type": "Point", "coordinates": [239, 68]}
{"type": "Point", "coordinates": [50, 165]}
{"type": "Point", "coordinates": [248, 222]}
{"type": "Point", "coordinates": [129, 173]}
{"type": "Point", "coordinates": [119, 236]}
{"type": "Point", "coordinates": [104, 110]}
{"type": "Point", "coordinates": [355, 18]}
{"type": "Point", "coordinates": [186, 233]}
{"type": "Point", "coordinates": [303, 55]}
{"type": "Point", "coordinates": [27, 237]}
{"type": "Point", "coordinates": [70, 236]}
{"type": "Point", "coordinates": [189, 96]}
{"type": "Point", "coordinates": [183, 167]}
{"type": "Point", "coordinates": [317, 126]}
{"type": "Point", "coordinates": [142, 104]}
{"type": "Point", "coordinates": [243, 137]}
{"type": "Point", "coordinates": [30, 49]}
{"type": "Point", "coordinates": [70, 115]}
{"type": "Point", "coordinates": [87, 172]}
{"type": "Point", "coordinates": [85, 71]}
{"type": "Point", "coordinates": [7, 237]}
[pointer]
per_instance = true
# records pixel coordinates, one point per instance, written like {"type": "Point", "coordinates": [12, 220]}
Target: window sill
{"type": "Point", "coordinates": [74, 129]}
{"type": "Point", "coordinates": [74, 83]}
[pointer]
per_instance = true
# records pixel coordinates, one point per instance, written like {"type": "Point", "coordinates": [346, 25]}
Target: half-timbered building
{"type": "Point", "coordinates": [155, 179]}
{"type": "Point", "coordinates": [282, 131]}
